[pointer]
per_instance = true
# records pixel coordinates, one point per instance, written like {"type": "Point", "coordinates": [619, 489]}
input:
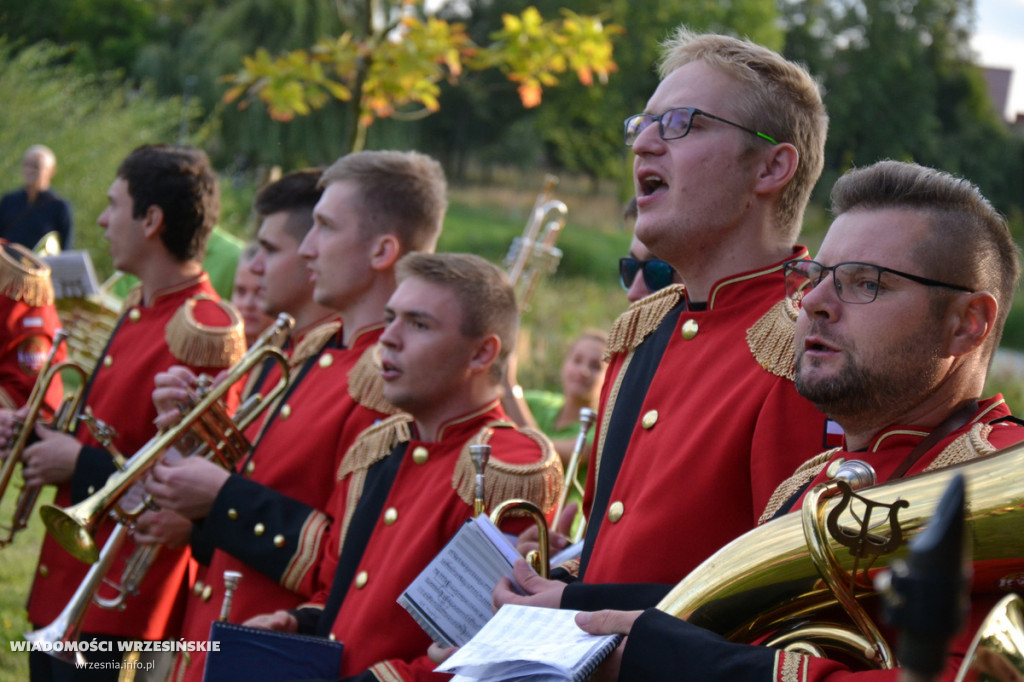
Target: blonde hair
{"type": "Point", "coordinates": [778, 97]}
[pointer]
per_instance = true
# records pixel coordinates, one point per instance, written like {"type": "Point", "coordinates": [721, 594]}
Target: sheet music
{"type": "Point", "coordinates": [72, 274]}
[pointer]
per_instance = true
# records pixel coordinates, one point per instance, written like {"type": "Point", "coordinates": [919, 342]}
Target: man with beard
{"type": "Point", "coordinates": [897, 326]}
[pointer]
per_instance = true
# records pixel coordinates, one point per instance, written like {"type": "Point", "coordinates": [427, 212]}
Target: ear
{"type": "Point", "coordinates": [972, 318]}
{"type": "Point", "coordinates": [486, 353]}
{"type": "Point", "coordinates": [153, 222]}
{"type": "Point", "coordinates": [385, 252]}
{"type": "Point", "coordinates": [777, 169]}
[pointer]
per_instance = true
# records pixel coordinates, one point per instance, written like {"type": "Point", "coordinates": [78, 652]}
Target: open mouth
{"type": "Point", "coordinates": [651, 184]}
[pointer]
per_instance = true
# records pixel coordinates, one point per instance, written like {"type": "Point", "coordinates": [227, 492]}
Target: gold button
{"type": "Point", "coordinates": [207, 593]}
{"type": "Point", "coordinates": [326, 360]}
{"type": "Point", "coordinates": [615, 511]}
{"type": "Point", "coordinates": [278, 541]}
{"type": "Point", "coordinates": [91, 489]}
{"type": "Point", "coordinates": [390, 516]}
{"type": "Point", "coordinates": [134, 315]}
{"type": "Point", "coordinates": [690, 329]}
{"type": "Point", "coordinates": [43, 570]}
{"type": "Point", "coordinates": [108, 361]}
{"type": "Point", "coordinates": [286, 411]}
{"type": "Point", "coordinates": [258, 529]}
{"type": "Point", "coordinates": [250, 467]}
{"type": "Point", "coordinates": [332, 637]}
{"type": "Point", "coordinates": [650, 418]}
{"type": "Point", "coordinates": [361, 579]}
{"type": "Point", "coordinates": [198, 589]}
{"type": "Point", "coordinates": [232, 514]}
{"type": "Point", "coordinates": [420, 454]}
{"type": "Point", "coordinates": [88, 410]}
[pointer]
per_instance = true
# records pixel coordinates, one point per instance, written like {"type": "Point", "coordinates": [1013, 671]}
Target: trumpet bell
{"type": "Point", "coordinates": [997, 652]}
{"type": "Point", "coordinates": [70, 533]}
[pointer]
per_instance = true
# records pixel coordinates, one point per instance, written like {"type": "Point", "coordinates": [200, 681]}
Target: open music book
{"type": "Point", "coordinates": [451, 597]}
{"type": "Point", "coordinates": [530, 643]}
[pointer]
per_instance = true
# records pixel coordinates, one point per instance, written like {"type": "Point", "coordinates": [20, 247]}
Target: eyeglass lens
{"type": "Point", "coordinates": [854, 282]}
{"type": "Point", "coordinates": [674, 123]}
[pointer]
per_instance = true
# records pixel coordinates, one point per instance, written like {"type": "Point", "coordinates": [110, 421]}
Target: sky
{"type": "Point", "coordinates": [999, 41]}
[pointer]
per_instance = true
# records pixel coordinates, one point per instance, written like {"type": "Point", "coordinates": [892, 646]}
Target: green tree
{"type": "Point", "coordinates": [391, 58]}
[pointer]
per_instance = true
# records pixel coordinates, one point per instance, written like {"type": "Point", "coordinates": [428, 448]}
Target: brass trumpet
{"type": "Point", "coordinates": [534, 253]}
{"type": "Point", "coordinates": [774, 581]}
{"type": "Point", "coordinates": [587, 419]}
{"type": "Point", "coordinates": [66, 420]}
{"type": "Point", "coordinates": [207, 421]}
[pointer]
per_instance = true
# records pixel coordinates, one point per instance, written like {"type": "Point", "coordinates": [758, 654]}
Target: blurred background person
{"type": "Point", "coordinates": [654, 273]}
{"type": "Point", "coordinates": [247, 295]}
{"type": "Point", "coordinates": [28, 214]}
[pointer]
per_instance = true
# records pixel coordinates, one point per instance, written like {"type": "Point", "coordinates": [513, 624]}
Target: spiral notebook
{"type": "Point", "coordinates": [527, 642]}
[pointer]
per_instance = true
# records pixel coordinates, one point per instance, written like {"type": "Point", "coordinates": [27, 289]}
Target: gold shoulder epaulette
{"type": "Point", "coordinates": [205, 332]}
{"type": "Point", "coordinates": [375, 443]}
{"type": "Point", "coordinates": [133, 298]}
{"type": "Point", "coordinates": [771, 339]}
{"type": "Point", "coordinates": [24, 276]}
{"type": "Point", "coordinates": [365, 385]}
{"type": "Point", "coordinates": [539, 482]}
{"type": "Point", "coordinates": [641, 319]}
{"type": "Point", "coordinates": [313, 342]}
{"type": "Point", "coordinates": [965, 447]}
{"type": "Point", "coordinates": [804, 473]}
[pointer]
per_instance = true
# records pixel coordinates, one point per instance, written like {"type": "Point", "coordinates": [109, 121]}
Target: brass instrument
{"type": "Point", "coordinates": [231, 580]}
{"type": "Point", "coordinates": [587, 419]}
{"type": "Point", "coordinates": [67, 627]}
{"type": "Point", "coordinates": [775, 580]}
{"type": "Point", "coordinates": [534, 253]}
{"type": "Point", "coordinates": [66, 420]}
{"type": "Point", "coordinates": [538, 559]}
{"type": "Point", "coordinates": [206, 421]}
{"type": "Point", "coordinates": [997, 651]}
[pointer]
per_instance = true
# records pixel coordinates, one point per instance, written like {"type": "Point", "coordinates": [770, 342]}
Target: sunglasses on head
{"type": "Point", "coordinates": [657, 273]}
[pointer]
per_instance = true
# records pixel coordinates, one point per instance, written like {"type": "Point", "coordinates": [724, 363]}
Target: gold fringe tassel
{"type": "Point", "coordinates": [24, 276]}
{"type": "Point", "coordinates": [966, 447]}
{"type": "Point", "coordinates": [313, 342]}
{"type": "Point", "coordinates": [804, 473]}
{"type": "Point", "coordinates": [202, 345]}
{"type": "Point", "coordinates": [771, 339]}
{"type": "Point", "coordinates": [539, 482]}
{"type": "Point", "coordinates": [641, 319]}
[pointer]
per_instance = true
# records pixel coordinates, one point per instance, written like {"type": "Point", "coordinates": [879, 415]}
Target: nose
{"type": "Point", "coordinates": [649, 140]}
{"type": "Point", "coordinates": [389, 337]}
{"type": "Point", "coordinates": [307, 249]}
{"type": "Point", "coordinates": [256, 264]}
{"type": "Point", "coordinates": [822, 300]}
{"type": "Point", "coordinates": [638, 289]}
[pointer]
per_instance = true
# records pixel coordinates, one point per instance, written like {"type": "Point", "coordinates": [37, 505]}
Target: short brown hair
{"type": "Point", "coordinates": [486, 297]}
{"type": "Point", "coordinates": [294, 193]}
{"type": "Point", "coordinates": [401, 193]}
{"type": "Point", "coordinates": [970, 243]}
{"type": "Point", "coordinates": [779, 98]}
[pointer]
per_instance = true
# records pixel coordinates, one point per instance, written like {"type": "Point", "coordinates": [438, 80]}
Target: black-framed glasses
{"type": "Point", "coordinates": [657, 274]}
{"type": "Point", "coordinates": [854, 282]}
{"type": "Point", "coordinates": [675, 123]}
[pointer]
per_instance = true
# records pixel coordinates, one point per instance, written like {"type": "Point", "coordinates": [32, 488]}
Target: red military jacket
{"type": "Point", "coordinates": [661, 647]}
{"type": "Point", "coordinates": [181, 325]}
{"type": "Point", "coordinates": [431, 496]}
{"type": "Point", "coordinates": [29, 321]}
{"type": "Point", "coordinates": [715, 417]}
{"type": "Point", "coordinates": [269, 521]}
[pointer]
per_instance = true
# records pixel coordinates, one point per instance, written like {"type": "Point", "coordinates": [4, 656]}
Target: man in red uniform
{"type": "Point", "coordinates": [698, 403]}
{"type": "Point", "coordinates": [269, 520]}
{"type": "Point", "coordinates": [451, 325]}
{"type": "Point", "coordinates": [162, 205]}
{"type": "Point", "coordinates": [29, 323]}
{"type": "Point", "coordinates": [900, 315]}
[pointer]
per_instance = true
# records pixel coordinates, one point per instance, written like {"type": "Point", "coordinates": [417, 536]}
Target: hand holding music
{"type": "Point", "coordinates": [608, 622]}
{"type": "Point", "coordinates": [282, 621]}
{"type": "Point", "coordinates": [539, 591]}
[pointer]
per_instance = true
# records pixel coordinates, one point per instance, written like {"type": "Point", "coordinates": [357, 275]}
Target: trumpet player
{"type": "Point", "coordinates": [269, 519]}
{"type": "Point", "coordinates": [161, 207]}
{"type": "Point", "coordinates": [451, 325]}
{"type": "Point", "coordinates": [900, 314]}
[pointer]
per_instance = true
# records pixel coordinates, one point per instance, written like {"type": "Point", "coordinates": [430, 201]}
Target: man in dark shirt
{"type": "Point", "coordinates": [31, 213]}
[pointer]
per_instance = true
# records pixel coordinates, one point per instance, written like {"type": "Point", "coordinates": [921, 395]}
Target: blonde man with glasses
{"type": "Point", "coordinates": [698, 404]}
